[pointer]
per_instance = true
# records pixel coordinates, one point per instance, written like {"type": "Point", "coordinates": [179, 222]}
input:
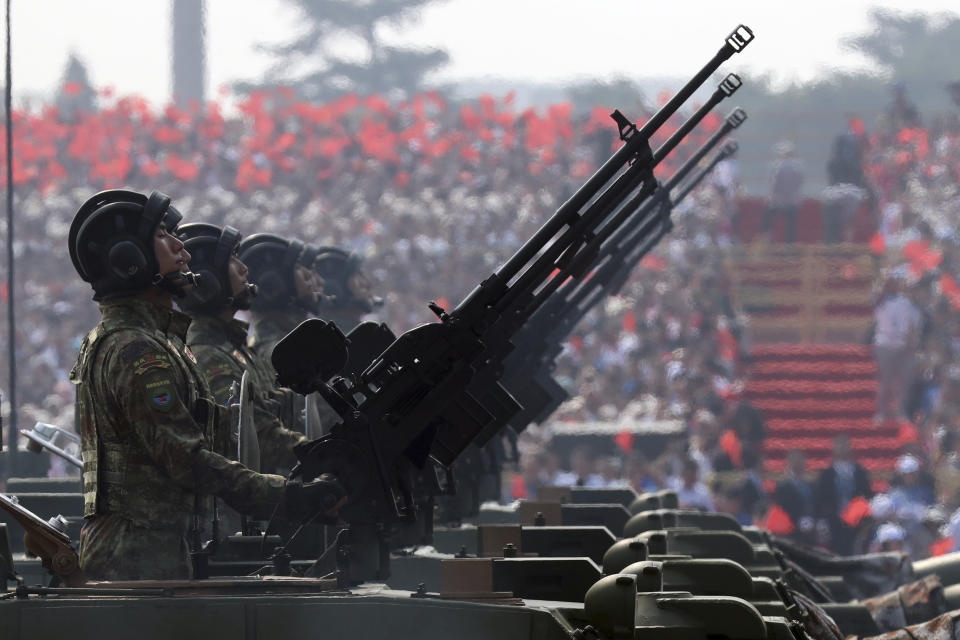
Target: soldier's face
{"type": "Point", "coordinates": [170, 252]}
{"type": "Point", "coordinates": [238, 276]}
{"type": "Point", "coordinates": [309, 285]}
{"type": "Point", "coordinates": [359, 285]}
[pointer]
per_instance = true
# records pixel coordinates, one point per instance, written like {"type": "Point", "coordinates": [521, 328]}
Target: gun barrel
{"type": "Point", "coordinates": [728, 150]}
{"type": "Point", "coordinates": [620, 254]}
{"type": "Point", "coordinates": [736, 42]}
{"type": "Point", "coordinates": [735, 118]}
{"type": "Point", "coordinates": [478, 299]}
{"type": "Point", "coordinates": [727, 88]}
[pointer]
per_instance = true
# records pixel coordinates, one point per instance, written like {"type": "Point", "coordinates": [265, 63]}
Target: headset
{"type": "Point", "coordinates": [211, 248]}
{"type": "Point", "coordinates": [271, 260]}
{"type": "Point", "coordinates": [111, 242]}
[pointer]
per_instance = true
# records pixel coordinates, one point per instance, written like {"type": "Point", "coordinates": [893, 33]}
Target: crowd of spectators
{"type": "Point", "coordinates": [909, 175]}
{"type": "Point", "coordinates": [913, 174]}
{"type": "Point", "coordinates": [434, 194]}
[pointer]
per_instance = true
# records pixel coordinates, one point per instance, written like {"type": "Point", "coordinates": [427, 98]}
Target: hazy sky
{"type": "Point", "coordinates": [125, 43]}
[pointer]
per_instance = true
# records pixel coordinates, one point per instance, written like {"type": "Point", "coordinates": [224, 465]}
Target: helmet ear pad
{"type": "Point", "coordinates": [110, 252]}
{"type": "Point", "coordinates": [126, 260]}
{"type": "Point", "coordinates": [273, 288]}
{"type": "Point", "coordinates": [336, 267]}
{"type": "Point", "coordinates": [208, 287]}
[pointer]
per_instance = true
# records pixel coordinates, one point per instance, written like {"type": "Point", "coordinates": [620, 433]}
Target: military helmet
{"type": "Point", "coordinates": [111, 241]}
{"type": "Point", "coordinates": [271, 260]}
{"type": "Point", "coordinates": [336, 266]}
{"type": "Point", "coordinates": [211, 248]}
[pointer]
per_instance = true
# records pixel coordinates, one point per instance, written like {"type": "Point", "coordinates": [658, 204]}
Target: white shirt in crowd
{"type": "Point", "coordinates": [695, 497]}
{"type": "Point", "coordinates": [897, 322]}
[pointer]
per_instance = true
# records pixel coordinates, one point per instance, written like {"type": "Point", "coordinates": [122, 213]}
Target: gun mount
{"type": "Point", "coordinates": [435, 389]}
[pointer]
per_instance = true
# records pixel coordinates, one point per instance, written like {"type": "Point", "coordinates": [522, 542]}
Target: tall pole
{"type": "Point", "coordinates": [11, 326]}
{"type": "Point", "coordinates": [189, 52]}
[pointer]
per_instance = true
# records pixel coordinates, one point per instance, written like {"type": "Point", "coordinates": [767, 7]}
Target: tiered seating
{"type": "Point", "coordinates": [810, 394]}
{"type": "Point", "coordinates": [805, 293]}
{"type": "Point", "coordinates": [749, 222]}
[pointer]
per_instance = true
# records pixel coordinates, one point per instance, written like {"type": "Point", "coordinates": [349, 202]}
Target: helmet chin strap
{"type": "Point", "coordinates": [242, 301]}
{"type": "Point", "coordinates": [176, 282]}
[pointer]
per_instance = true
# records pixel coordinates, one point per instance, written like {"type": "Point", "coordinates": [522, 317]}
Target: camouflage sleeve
{"type": "Point", "coordinates": [148, 389]}
{"type": "Point", "coordinates": [219, 370]}
{"type": "Point", "coordinates": [270, 416]}
{"type": "Point", "coordinates": [276, 441]}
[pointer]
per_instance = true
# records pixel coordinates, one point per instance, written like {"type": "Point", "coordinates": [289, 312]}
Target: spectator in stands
{"type": "Point", "coordinates": [925, 539]}
{"type": "Point", "coordinates": [640, 474]}
{"type": "Point", "coordinates": [794, 494]}
{"type": "Point", "coordinates": [786, 191]}
{"type": "Point", "coordinates": [895, 340]}
{"type": "Point", "coordinates": [882, 511]}
{"type": "Point", "coordinates": [747, 422]}
{"type": "Point", "coordinates": [846, 157]}
{"type": "Point", "coordinates": [729, 499]}
{"type": "Point", "coordinates": [691, 492]}
{"type": "Point", "coordinates": [840, 203]}
{"type": "Point", "coordinates": [583, 469]}
{"type": "Point", "coordinates": [836, 488]}
{"type": "Point", "coordinates": [911, 493]}
{"type": "Point", "coordinates": [752, 492]}
{"type": "Point", "coordinates": [901, 113]}
{"type": "Point", "coordinates": [890, 537]}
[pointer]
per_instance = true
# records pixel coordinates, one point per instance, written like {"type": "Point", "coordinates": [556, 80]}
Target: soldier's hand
{"type": "Point", "coordinates": [321, 498]}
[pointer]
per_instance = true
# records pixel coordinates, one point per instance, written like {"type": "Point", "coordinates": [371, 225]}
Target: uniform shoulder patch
{"type": "Point", "coordinates": [148, 361]}
{"type": "Point", "coordinates": [189, 354]}
{"type": "Point", "coordinates": [159, 389]}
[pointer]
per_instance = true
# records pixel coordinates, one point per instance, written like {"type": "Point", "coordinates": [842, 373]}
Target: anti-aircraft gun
{"type": "Point", "coordinates": [527, 369]}
{"type": "Point", "coordinates": [544, 335]}
{"type": "Point", "coordinates": [435, 389]}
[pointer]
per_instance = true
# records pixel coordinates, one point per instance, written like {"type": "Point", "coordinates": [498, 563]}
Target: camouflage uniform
{"type": "Point", "coordinates": [269, 327]}
{"type": "Point", "coordinates": [221, 350]}
{"type": "Point", "coordinates": [146, 421]}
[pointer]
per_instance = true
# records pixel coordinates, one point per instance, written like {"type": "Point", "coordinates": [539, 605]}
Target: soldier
{"type": "Point", "coordinates": [144, 411]}
{"type": "Point", "coordinates": [289, 288]}
{"type": "Point", "coordinates": [219, 340]}
{"type": "Point", "coordinates": [289, 292]}
{"type": "Point", "coordinates": [346, 287]}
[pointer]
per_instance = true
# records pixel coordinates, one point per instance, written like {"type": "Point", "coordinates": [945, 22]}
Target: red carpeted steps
{"type": "Point", "coordinates": [810, 393]}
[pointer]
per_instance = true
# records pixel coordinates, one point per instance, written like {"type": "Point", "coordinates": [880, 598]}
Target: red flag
{"type": "Point", "coordinates": [942, 546]}
{"type": "Point", "coordinates": [518, 487]}
{"type": "Point", "coordinates": [778, 521]}
{"type": "Point", "coordinates": [576, 343]}
{"type": "Point", "coordinates": [653, 262]}
{"type": "Point", "coordinates": [907, 433]}
{"type": "Point", "coordinates": [624, 440]}
{"type": "Point", "coordinates": [731, 445]}
{"type": "Point", "coordinates": [855, 511]}
{"type": "Point", "coordinates": [950, 290]}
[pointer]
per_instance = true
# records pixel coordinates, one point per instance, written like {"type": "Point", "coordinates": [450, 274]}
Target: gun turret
{"type": "Point", "coordinates": [419, 398]}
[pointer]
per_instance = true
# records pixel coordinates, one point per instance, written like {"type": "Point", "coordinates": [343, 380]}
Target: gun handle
{"type": "Point", "coordinates": [56, 557]}
{"type": "Point", "coordinates": [53, 548]}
